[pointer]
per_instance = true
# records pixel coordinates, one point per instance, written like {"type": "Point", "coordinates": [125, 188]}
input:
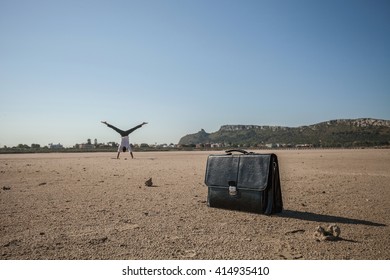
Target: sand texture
{"type": "Point", "coordinates": [92, 206]}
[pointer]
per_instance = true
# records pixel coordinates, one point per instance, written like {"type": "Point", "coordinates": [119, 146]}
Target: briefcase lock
{"type": "Point", "coordinates": [232, 188]}
{"type": "Point", "coordinates": [232, 191]}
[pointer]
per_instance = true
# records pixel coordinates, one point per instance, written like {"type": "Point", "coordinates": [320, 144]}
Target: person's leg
{"type": "Point", "coordinates": [120, 131]}
{"type": "Point", "coordinates": [117, 157]}
{"type": "Point", "coordinates": [127, 132]}
{"type": "Point", "coordinates": [131, 153]}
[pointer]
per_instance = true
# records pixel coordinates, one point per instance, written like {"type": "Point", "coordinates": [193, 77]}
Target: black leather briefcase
{"type": "Point", "coordinates": [246, 182]}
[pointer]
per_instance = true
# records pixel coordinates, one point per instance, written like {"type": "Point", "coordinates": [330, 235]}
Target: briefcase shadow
{"type": "Point", "coordinates": [314, 217]}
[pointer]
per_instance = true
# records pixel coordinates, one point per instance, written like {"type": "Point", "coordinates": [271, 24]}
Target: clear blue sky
{"type": "Point", "coordinates": [185, 65]}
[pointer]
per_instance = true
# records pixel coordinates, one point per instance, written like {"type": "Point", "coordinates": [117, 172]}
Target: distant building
{"type": "Point", "coordinates": [303, 145]}
{"type": "Point", "coordinates": [55, 146]}
{"type": "Point", "coordinates": [87, 145]}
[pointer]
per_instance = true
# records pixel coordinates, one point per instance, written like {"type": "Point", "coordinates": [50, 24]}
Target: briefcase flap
{"type": "Point", "coordinates": [249, 171]}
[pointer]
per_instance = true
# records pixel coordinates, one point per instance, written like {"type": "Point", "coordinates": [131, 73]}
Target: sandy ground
{"type": "Point", "coordinates": [92, 206]}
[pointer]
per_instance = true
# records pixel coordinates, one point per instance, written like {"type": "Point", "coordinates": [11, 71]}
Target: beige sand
{"type": "Point", "coordinates": [92, 206]}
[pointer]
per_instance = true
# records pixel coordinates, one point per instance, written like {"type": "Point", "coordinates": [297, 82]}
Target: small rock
{"type": "Point", "coordinates": [42, 184]}
{"type": "Point", "coordinates": [6, 188]}
{"type": "Point", "coordinates": [149, 183]}
{"type": "Point", "coordinates": [332, 233]}
{"type": "Point", "coordinates": [334, 230]}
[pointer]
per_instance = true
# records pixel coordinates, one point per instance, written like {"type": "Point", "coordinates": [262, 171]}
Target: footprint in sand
{"type": "Point", "coordinates": [97, 241]}
{"type": "Point", "coordinates": [187, 254]}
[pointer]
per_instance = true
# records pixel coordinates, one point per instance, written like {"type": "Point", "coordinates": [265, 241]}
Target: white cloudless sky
{"type": "Point", "coordinates": [186, 65]}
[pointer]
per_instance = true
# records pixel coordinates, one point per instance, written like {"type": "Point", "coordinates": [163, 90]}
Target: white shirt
{"type": "Point", "coordinates": [125, 143]}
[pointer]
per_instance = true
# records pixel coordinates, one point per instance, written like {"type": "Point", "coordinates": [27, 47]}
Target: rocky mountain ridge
{"type": "Point", "coordinates": [333, 133]}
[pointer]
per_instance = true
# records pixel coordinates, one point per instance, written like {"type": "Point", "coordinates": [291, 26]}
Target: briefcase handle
{"type": "Point", "coordinates": [229, 152]}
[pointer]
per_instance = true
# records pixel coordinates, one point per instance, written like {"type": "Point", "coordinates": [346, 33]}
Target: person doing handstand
{"type": "Point", "coordinates": [125, 144]}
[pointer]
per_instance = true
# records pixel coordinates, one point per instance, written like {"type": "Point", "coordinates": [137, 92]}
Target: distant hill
{"type": "Point", "coordinates": [335, 133]}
